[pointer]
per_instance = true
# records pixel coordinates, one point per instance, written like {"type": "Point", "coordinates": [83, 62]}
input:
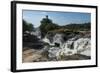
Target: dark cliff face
{"type": "Point", "coordinates": [27, 37]}
{"type": "Point", "coordinates": [32, 41]}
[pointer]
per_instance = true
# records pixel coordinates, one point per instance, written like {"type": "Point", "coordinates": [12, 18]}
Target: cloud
{"type": "Point", "coordinates": [44, 13]}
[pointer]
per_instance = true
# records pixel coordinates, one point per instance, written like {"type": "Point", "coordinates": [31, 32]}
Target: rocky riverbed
{"type": "Point", "coordinates": [57, 47]}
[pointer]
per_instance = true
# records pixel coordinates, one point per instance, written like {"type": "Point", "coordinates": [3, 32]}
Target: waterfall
{"type": "Point", "coordinates": [37, 33]}
{"type": "Point", "coordinates": [46, 40]}
{"type": "Point", "coordinates": [71, 47]}
{"type": "Point", "coordinates": [83, 46]}
{"type": "Point", "coordinates": [58, 38]}
{"type": "Point", "coordinates": [80, 46]}
{"type": "Point", "coordinates": [75, 45]}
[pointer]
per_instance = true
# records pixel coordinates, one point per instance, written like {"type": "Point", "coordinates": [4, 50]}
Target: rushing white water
{"type": "Point", "coordinates": [54, 52]}
{"type": "Point", "coordinates": [70, 47]}
{"type": "Point", "coordinates": [80, 46]}
{"type": "Point", "coordinates": [37, 33]}
{"type": "Point", "coordinates": [75, 45]}
{"type": "Point", "coordinates": [46, 40]}
{"type": "Point", "coordinates": [57, 38]}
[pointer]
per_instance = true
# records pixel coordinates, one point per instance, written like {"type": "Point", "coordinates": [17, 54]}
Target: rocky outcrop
{"type": "Point", "coordinates": [59, 46]}
{"type": "Point", "coordinates": [76, 45]}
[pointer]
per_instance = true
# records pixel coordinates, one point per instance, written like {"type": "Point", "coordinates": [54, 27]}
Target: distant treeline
{"type": "Point", "coordinates": [47, 25]}
{"type": "Point", "coordinates": [82, 26]}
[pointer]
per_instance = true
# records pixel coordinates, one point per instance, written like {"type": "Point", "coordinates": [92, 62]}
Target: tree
{"type": "Point", "coordinates": [44, 22]}
{"type": "Point", "coordinates": [50, 27]}
{"type": "Point", "coordinates": [47, 25]}
{"type": "Point", "coordinates": [30, 27]}
{"type": "Point", "coordinates": [27, 26]}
